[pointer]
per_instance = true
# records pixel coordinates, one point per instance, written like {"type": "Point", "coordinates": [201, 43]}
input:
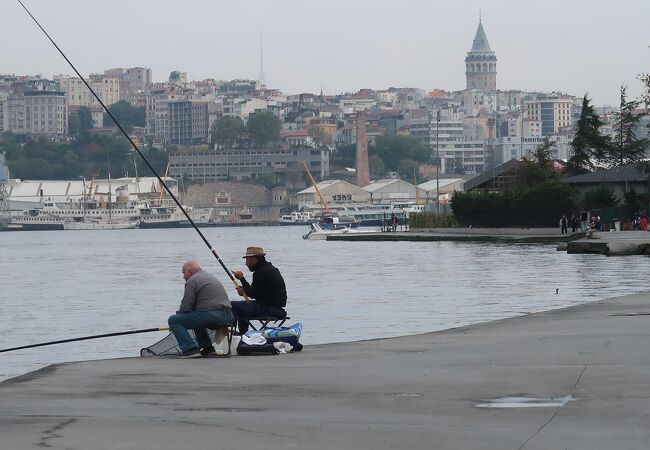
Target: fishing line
{"type": "Point", "coordinates": [135, 147]}
{"type": "Point", "coordinates": [96, 336]}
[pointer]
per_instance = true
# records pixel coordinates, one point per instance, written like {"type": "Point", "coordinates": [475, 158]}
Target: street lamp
{"type": "Point", "coordinates": [437, 164]}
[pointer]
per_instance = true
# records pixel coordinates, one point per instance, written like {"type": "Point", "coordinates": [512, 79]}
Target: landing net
{"type": "Point", "coordinates": [168, 346]}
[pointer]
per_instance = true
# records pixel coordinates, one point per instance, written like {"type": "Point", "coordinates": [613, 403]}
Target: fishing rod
{"type": "Point", "coordinates": [135, 147]}
{"type": "Point", "coordinates": [97, 336]}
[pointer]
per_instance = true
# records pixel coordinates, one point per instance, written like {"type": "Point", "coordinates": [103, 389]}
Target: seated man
{"type": "Point", "coordinates": [268, 290]}
{"type": "Point", "coordinates": [204, 305]}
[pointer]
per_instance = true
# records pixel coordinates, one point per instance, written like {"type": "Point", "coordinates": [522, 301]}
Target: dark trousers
{"type": "Point", "coordinates": [243, 310]}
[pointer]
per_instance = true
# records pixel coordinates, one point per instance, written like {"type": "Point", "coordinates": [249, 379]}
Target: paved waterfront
{"type": "Point", "coordinates": [589, 365]}
{"type": "Point", "coordinates": [522, 235]}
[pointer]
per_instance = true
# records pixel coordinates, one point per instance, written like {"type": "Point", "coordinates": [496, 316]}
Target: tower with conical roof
{"type": "Point", "coordinates": [481, 63]}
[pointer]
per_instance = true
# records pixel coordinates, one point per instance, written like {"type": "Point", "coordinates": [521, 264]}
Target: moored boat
{"type": "Point", "coordinates": [101, 225]}
{"type": "Point", "coordinates": [316, 231]}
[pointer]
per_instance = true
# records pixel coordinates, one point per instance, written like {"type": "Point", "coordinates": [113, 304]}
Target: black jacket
{"type": "Point", "coordinates": [268, 285]}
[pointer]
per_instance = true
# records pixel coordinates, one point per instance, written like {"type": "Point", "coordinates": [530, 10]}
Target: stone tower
{"type": "Point", "coordinates": [363, 173]}
{"type": "Point", "coordinates": [481, 63]}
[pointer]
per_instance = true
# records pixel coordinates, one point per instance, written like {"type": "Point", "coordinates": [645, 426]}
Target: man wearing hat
{"type": "Point", "coordinates": [268, 290]}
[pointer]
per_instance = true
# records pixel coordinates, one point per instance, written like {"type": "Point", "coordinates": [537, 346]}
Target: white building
{"type": "Point", "coordinates": [506, 148]}
{"type": "Point", "coordinates": [394, 191]}
{"type": "Point", "coordinates": [335, 192]}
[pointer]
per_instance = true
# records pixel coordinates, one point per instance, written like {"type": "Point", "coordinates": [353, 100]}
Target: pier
{"type": "Point", "coordinates": [573, 378]}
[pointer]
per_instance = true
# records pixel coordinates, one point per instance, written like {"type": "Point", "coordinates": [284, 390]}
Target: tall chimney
{"type": "Point", "coordinates": [363, 175]}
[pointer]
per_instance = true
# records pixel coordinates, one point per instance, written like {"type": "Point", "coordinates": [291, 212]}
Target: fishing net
{"type": "Point", "coordinates": [168, 346]}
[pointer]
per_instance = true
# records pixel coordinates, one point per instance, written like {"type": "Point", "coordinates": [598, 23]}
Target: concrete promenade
{"type": "Point", "coordinates": [576, 378]}
{"type": "Point", "coordinates": [530, 235]}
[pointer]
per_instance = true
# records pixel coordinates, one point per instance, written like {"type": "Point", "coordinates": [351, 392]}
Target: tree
{"type": "Point", "coordinates": [600, 197]}
{"type": "Point", "coordinates": [645, 95]}
{"type": "Point", "coordinates": [225, 131]}
{"type": "Point", "coordinates": [407, 167]}
{"type": "Point", "coordinates": [85, 119]}
{"type": "Point", "coordinates": [543, 153]}
{"type": "Point", "coordinates": [376, 166]}
{"type": "Point", "coordinates": [264, 128]}
{"type": "Point", "coordinates": [626, 148]}
{"type": "Point", "coordinates": [126, 114]}
{"type": "Point", "coordinates": [345, 155]}
{"type": "Point", "coordinates": [74, 124]}
{"type": "Point", "coordinates": [588, 143]}
{"type": "Point", "coordinates": [393, 149]}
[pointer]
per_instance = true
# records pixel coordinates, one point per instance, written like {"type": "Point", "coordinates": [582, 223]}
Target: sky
{"type": "Point", "coordinates": [569, 46]}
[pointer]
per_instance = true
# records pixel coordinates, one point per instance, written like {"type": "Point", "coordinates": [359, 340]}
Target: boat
{"type": "Point", "coordinates": [90, 224]}
{"type": "Point", "coordinates": [245, 214]}
{"type": "Point", "coordinates": [316, 231]}
{"type": "Point", "coordinates": [374, 215]}
{"type": "Point", "coordinates": [297, 218]}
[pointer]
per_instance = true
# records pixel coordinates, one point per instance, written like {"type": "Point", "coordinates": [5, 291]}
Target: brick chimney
{"type": "Point", "coordinates": [363, 174]}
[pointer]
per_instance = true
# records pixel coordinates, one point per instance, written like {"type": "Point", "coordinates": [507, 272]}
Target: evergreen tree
{"type": "Point", "coordinates": [264, 128]}
{"type": "Point", "coordinates": [543, 154]}
{"type": "Point", "coordinates": [588, 143]}
{"type": "Point", "coordinates": [626, 148]}
{"type": "Point", "coordinates": [226, 130]}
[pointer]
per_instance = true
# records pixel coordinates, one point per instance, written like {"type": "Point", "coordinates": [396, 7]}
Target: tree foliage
{"type": "Point", "coordinates": [538, 206]}
{"type": "Point", "coordinates": [85, 119]}
{"type": "Point", "coordinates": [393, 149]}
{"type": "Point", "coordinates": [626, 148]}
{"type": "Point", "coordinates": [226, 130]}
{"type": "Point", "coordinates": [127, 115]}
{"type": "Point", "coordinates": [600, 197]}
{"type": "Point", "coordinates": [543, 153]}
{"type": "Point", "coordinates": [588, 144]}
{"type": "Point", "coordinates": [89, 155]}
{"type": "Point", "coordinates": [264, 128]}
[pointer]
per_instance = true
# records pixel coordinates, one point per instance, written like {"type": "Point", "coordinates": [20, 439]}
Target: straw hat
{"type": "Point", "coordinates": [254, 251]}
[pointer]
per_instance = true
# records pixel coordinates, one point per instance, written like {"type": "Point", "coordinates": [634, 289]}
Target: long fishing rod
{"type": "Point", "coordinates": [97, 336]}
{"type": "Point", "coordinates": [135, 147]}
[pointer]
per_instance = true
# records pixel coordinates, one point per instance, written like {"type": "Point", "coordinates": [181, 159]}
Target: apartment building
{"type": "Point", "coordinates": [553, 111]}
{"type": "Point", "coordinates": [78, 94]}
{"type": "Point", "coordinates": [45, 113]}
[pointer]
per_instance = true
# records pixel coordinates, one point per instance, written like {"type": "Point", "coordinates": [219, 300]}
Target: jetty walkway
{"type": "Point", "coordinates": [575, 378]}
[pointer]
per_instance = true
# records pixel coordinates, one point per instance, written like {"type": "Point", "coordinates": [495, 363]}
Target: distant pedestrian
{"type": "Point", "coordinates": [564, 225]}
{"type": "Point", "coordinates": [574, 223]}
{"type": "Point", "coordinates": [393, 221]}
{"type": "Point", "coordinates": [643, 223]}
{"type": "Point", "coordinates": [584, 220]}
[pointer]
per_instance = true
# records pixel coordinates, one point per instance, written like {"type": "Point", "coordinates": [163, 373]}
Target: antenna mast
{"type": "Point", "coordinates": [261, 80]}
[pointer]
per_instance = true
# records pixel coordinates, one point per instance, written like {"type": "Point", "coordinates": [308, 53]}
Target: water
{"type": "Point", "coordinates": [61, 284]}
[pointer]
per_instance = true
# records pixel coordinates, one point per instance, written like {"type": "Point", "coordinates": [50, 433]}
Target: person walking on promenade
{"type": "Point", "coordinates": [564, 224]}
{"type": "Point", "coordinates": [393, 221]}
{"type": "Point", "coordinates": [268, 289]}
{"type": "Point", "coordinates": [204, 305]}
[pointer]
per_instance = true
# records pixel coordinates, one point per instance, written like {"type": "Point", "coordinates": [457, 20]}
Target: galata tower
{"type": "Point", "coordinates": [481, 63]}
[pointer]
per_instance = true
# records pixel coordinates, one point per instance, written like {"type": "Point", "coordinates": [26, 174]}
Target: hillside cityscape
{"type": "Point", "coordinates": [214, 131]}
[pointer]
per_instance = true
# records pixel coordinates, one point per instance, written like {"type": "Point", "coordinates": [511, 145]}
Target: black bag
{"type": "Point", "coordinates": [243, 349]}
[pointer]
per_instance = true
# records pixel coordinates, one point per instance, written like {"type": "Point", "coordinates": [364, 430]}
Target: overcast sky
{"type": "Point", "coordinates": [572, 46]}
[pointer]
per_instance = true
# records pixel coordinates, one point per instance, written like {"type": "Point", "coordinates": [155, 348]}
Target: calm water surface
{"type": "Point", "coordinates": [61, 284]}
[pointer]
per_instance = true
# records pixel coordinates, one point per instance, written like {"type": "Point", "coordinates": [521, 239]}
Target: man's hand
{"type": "Point", "coordinates": [238, 274]}
{"type": "Point", "coordinates": [240, 290]}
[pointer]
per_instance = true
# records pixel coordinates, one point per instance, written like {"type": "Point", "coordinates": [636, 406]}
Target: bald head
{"type": "Point", "coordinates": [190, 268]}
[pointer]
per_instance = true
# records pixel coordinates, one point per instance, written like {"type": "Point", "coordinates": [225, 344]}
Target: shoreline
{"type": "Point", "coordinates": [421, 391]}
